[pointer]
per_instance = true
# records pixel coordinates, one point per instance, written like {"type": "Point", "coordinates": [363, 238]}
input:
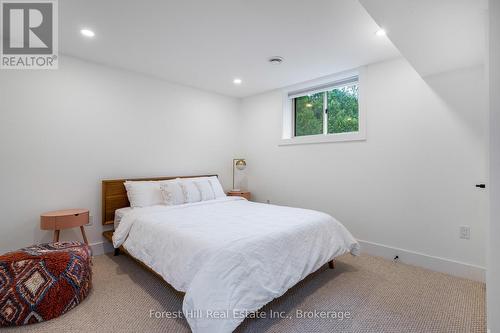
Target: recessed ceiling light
{"type": "Point", "coordinates": [237, 81]}
{"type": "Point", "coordinates": [276, 60]}
{"type": "Point", "coordinates": [87, 33]}
{"type": "Point", "coordinates": [381, 32]}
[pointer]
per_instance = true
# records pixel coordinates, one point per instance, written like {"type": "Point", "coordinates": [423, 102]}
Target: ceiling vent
{"type": "Point", "coordinates": [276, 60]}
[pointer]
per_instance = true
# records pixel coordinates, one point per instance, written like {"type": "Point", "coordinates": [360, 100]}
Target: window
{"type": "Point", "coordinates": [324, 112]}
{"type": "Point", "coordinates": [309, 114]}
{"type": "Point", "coordinates": [342, 109]}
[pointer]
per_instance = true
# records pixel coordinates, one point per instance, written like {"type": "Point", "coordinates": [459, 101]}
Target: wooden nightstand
{"type": "Point", "coordinates": [65, 219]}
{"type": "Point", "coordinates": [244, 194]}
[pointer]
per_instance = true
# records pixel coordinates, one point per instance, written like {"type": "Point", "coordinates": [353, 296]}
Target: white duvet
{"type": "Point", "coordinates": [231, 256]}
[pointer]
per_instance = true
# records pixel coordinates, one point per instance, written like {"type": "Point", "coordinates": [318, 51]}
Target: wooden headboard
{"type": "Point", "coordinates": [114, 195]}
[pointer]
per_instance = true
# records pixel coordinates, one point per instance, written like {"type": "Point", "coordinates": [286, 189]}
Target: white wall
{"type": "Point", "coordinates": [493, 279]}
{"type": "Point", "coordinates": [63, 131]}
{"type": "Point", "coordinates": [410, 185]}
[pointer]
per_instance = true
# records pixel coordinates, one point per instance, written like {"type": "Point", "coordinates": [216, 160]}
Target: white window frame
{"type": "Point", "coordinates": [324, 84]}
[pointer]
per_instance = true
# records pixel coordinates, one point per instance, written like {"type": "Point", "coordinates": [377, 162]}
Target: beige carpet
{"type": "Point", "coordinates": [380, 295]}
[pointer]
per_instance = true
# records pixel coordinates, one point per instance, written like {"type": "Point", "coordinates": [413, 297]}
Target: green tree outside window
{"type": "Point", "coordinates": [342, 117]}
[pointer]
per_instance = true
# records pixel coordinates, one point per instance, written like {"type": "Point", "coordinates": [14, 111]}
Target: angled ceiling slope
{"type": "Point", "coordinates": [435, 36]}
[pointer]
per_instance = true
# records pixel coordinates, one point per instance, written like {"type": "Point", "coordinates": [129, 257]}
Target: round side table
{"type": "Point", "coordinates": [65, 219]}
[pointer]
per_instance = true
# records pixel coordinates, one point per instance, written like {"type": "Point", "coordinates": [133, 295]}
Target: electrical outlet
{"type": "Point", "coordinates": [464, 232]}
{"type": "Point", "coordinates": [91, 220]}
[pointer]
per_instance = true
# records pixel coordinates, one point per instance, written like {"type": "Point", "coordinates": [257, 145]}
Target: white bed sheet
{"type": "Point", "coordinates": [230, 255]}
{"type": "Point", "coordinates": [119, 213]}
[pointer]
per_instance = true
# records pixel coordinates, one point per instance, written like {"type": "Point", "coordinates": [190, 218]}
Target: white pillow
{"type": "Point", "coordinates": [191, 192]}
{"type": "Point", "coordinates": [216, 187]}
{"type": "Point", "coordinates": [206, 191]}
{"type": "Point", "coordinates": [143, 193]}
{"type": "Point", "coordinates": [172, 193]}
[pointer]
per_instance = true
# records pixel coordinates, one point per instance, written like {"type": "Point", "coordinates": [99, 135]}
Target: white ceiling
{"type": "Point", "coordinates": [434, 35]}
{"type": "Point", "coordinates": [206, 44]}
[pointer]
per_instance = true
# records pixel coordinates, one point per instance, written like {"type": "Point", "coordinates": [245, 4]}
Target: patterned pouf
{"type": "Point", "coordinates": [42, 282]}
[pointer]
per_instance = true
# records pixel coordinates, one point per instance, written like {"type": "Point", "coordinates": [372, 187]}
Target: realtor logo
{"type": "Point", "coordinates": [29, 34]}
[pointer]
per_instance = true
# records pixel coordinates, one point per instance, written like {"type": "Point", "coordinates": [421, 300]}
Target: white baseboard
{"type": "Point", "coordinates": [432, 263]}
{"type": "Point", "coordinates": [101, 248]}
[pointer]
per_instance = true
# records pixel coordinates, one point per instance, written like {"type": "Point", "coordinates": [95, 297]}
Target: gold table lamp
{"type": "Point", "coordinates": [240, 164]}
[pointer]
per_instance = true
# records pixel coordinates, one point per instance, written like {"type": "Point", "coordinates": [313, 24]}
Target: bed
{"type": "Point", "coordinates": [229, 256]}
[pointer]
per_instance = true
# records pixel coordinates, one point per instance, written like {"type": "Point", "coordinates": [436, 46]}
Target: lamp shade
{"type": "Point", "coordinates": [241, 164]}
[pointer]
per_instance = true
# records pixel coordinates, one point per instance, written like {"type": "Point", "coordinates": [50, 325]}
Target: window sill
{"type": "Point", "coordinates": [321, 138]}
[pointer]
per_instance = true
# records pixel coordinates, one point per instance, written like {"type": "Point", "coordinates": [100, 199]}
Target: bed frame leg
{"type": "Point", "coordinates": [331, 264]}
{"type": "Point", "coordinates": [117, 252]}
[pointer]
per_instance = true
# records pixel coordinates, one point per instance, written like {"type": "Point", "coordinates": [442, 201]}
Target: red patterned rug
{"type": "Point", "coordinates": [43, 281]}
